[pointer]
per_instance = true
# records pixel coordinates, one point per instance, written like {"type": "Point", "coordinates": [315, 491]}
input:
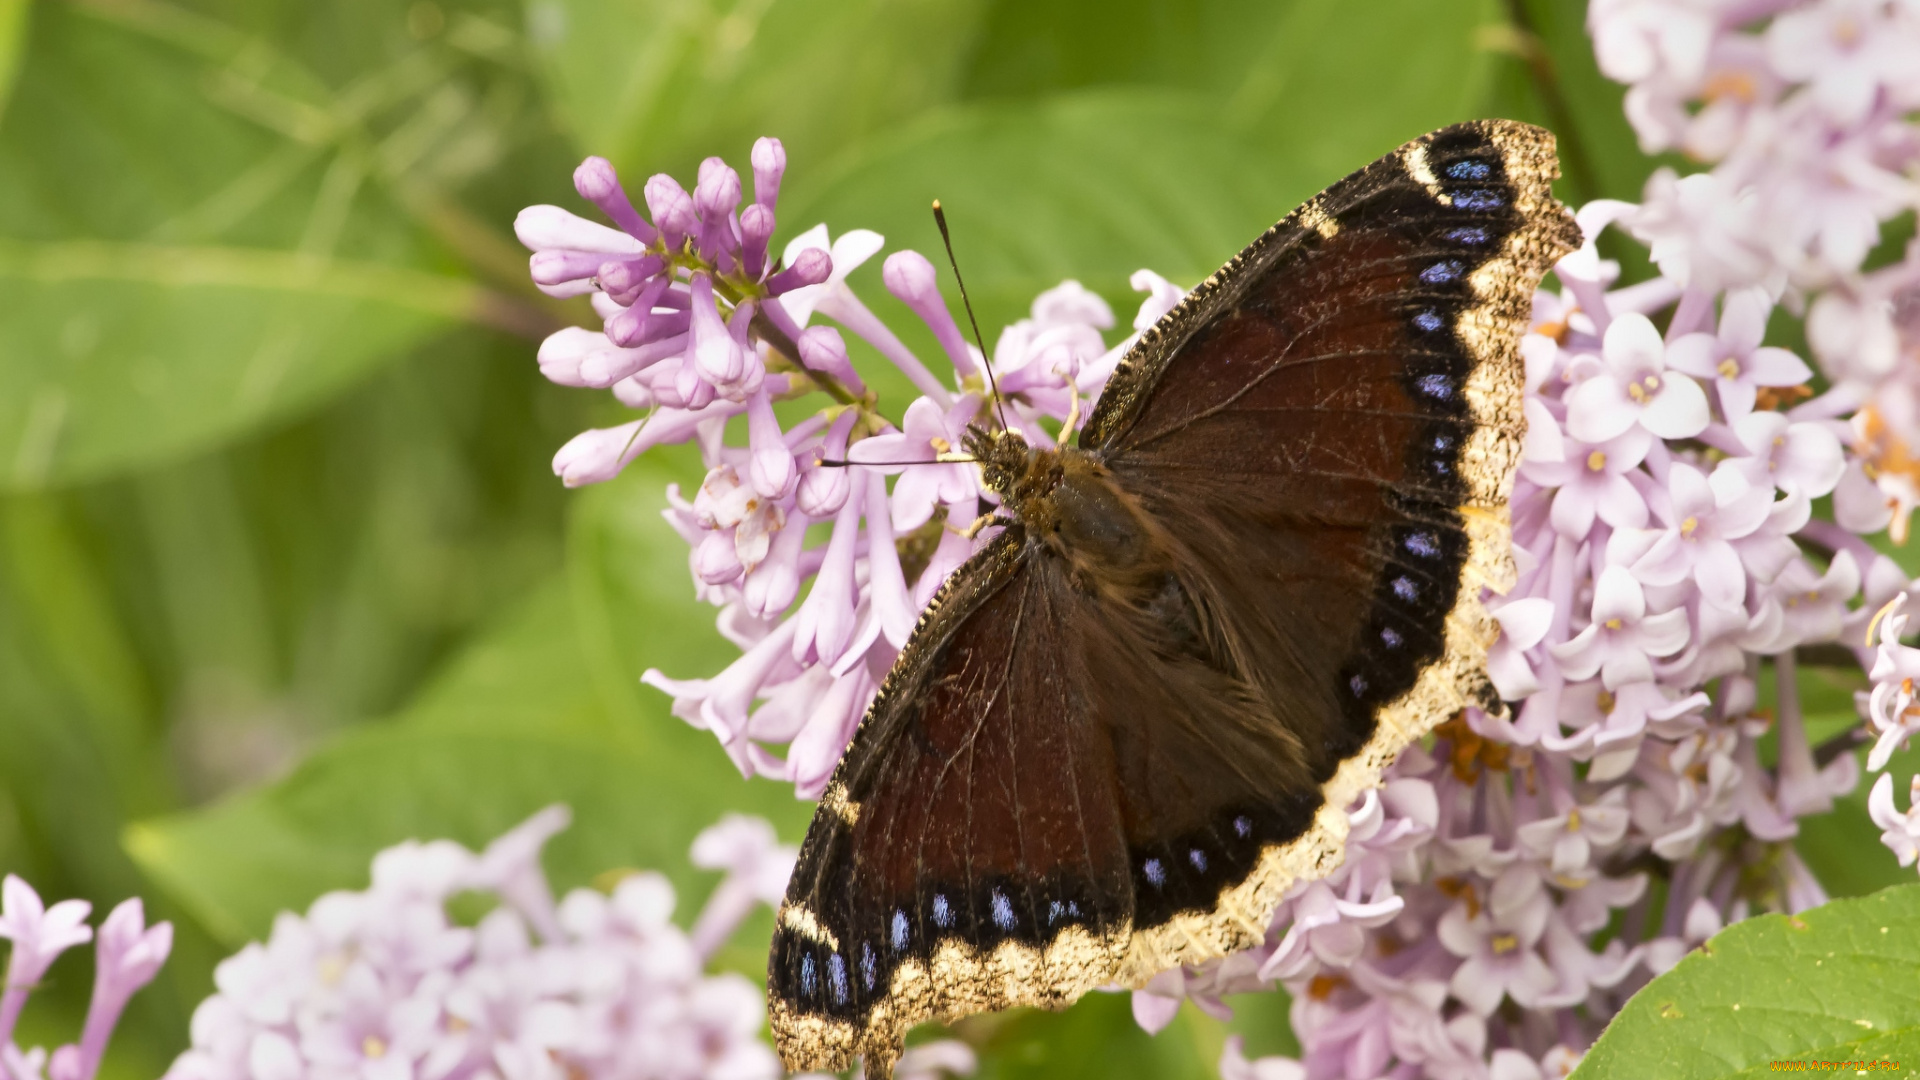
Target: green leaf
{"type": "Point", "coordinates": [545, 708]}
{"type": "Point", "coordinates": [660, 84]}
{"type": "Point", "coordinates": [197, 235]}
{"type": "Point", "coordinates": [113, 355]}
{"type": "Point", "coordinates": [1833, 984]}
{"type": "Point", "coordinates": [13, 39]}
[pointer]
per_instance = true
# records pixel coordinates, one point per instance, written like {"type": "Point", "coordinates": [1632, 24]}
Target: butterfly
{"type": "Point", "coordinates": [1140, 713]}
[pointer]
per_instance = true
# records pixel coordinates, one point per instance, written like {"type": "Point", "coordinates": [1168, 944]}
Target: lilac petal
{"type": "Point", "coordinates": [823, 488]}
{"type": "Point", "coordinates": [542, 228]}
{"type": "Point", "coordinates": [1722, 579]}
{"type": "Point", "coordinates": [1776, 367]}
{"type": "Point", "coordinates": [772, 471]}
{"type": "Point", "coordinates": [1696, 354]}
{"type": "Point", "coordinates": [1632, 346]}
{"type": "Point", "coordinates": [1737, 397]}
{"type": "Point", "coordinates": [1678, 410]}
{"type": "Point", "coordinates": [756, 228]}
{"type": "Point", "coordinates": [773, 585]}
{"type": "Point", "coordinates": [673, 211]}
{"type": "Point", "coordinates": [1599, 409]}
{"type": "Point", "coordinates": [811, 268]}
{"type": "Point", "coordinates": [911, 278]}
{"type": "Point", "coordinates": [1525, 622]}
{"type": "Point", "coordinates": [597, 183]}
{"type": "Point", "coordinates": [715, 560]}
{"type": "Point", "coordinates": [769, 160]}
{"type": "Point", "coordinates": [817, 749]}
{"type": "Point", "coordinates": [1743, 318]}
{"type": "Point", "coordinates": [716, 355]}
{"type": "Point", "coordinates": [1666, 562]}
{"type": "Point", "coordinates": [1544, 442]}
{"type": "Point", "coordinates": [1573, 511]}
{"type": "Point", "coordinates": [1477, 987]}
{"type": "Point", "coordinates": [1618, 596]}
{"type": "Point", "coordinates": [1619, 503]}
{"type": "Point", "coordinates": [892, 606]}
{"type": "Point", "coordinates": [825, 623]}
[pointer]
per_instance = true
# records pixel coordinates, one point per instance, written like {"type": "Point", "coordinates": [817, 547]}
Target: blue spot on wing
{"type": "Point", "coordinates": [868, 968]}
{"type": "Point", "coordinates": [1391, 636]}
{"type": "Point", "coordinates": [1243, 826]}
{"type": "Point", "coordinates": [1405, 589]}
{"type": "Point", "coordinates": [1469, 170]}
{"type": "Point", "coordinates": [1466, 234]}
{"type": "Point", "coordinates": [837, 978]}
{"type": "Point", "coordinates": [942, 914]}
{"type": "Point", "coordinates": [1478, 199]}
{"type": "Point", "coordinates": [1435, 386]}
{"type": "Point", "coordinates": [1429, 321]}
{"type": "Point", "coordinates": [899, 930]}
{"type": "Point", "coordinates": [1199, 859]}
{"type": "Point", "coordinates": [809, 978]}
{"type": "Point", "coordinates": [1002, 910]}
{"type": "Point", "coordinates": [1442, 272]}
{"type": "Point", "coordinates": [1423, 544]}
{"type": "Point", "coordinates": [1155, 873]}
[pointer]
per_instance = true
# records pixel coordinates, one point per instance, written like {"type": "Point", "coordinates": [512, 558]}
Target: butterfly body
{"type": "Point", "coordinates": [1139, 714]}
{"type": "Point", "coordinates": [1069, 507]}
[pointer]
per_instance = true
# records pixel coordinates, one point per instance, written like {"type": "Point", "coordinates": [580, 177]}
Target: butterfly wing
{"type": "Point", "coordinates": [1327, 430]}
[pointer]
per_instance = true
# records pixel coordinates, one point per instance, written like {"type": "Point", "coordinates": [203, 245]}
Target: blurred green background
{"type": "Point", "coordinates": [284, 576]}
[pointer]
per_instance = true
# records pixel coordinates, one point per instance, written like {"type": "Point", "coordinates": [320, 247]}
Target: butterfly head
{"type": "Point", "coordinates": [1015, 471]}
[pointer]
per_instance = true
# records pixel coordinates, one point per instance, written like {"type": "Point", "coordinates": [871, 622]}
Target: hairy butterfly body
{"type": "Point", "coordinates": [1138, 715]}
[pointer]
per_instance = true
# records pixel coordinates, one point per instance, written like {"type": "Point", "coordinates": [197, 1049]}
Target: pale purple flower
{"type": "Point", "coordinates": [1902, 830]}
{"type": "Point", "coordinates": [617, 990]}
{"type": "Point", "coordinates": [1802, 457]}
{"type": "Point", "coordinates": [1567, 841]}
{"type": "Point", "coordinates": [1635, 387]}
{"type": "Point", "coordinates": [1734, 359]}
{"type": "Point", "coordinates": [1704, 518]}
{"type": "Point", "coordinates": [1498, 945]}
{"type": "Point", "coordinates": [926, 432]}
{"type": "Point", "coordinates": [1622, 635]}
{"type": "Point", "coordinates": [1593, 480]}
{"type": "Point", "coordinates": [128, 954]}
{"type": "Point", "coordinates": [1890, 706]}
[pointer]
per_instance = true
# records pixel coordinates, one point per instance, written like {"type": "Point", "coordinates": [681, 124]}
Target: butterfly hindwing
{"type": "Point", "coordinates": [1056, 789]}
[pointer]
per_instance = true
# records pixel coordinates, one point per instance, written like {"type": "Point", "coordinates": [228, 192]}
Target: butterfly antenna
{"type": "Point", "coordinates": [940, 219]}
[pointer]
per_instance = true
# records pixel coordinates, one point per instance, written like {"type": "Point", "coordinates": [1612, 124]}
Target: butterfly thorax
{"type": "Point", "coordinates": [1071, 507]}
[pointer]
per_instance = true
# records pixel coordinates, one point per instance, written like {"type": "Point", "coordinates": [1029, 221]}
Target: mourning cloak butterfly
{"type": "Point", "coordinates": [1139, 714]}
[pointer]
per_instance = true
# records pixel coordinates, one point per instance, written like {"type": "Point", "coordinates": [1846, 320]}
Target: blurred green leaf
{"type": "Point", "coordinates": [197, 235]}
{"type": "Point", "coordinates": [112, 355]}
{"type": "Point", "coordinates": [542, 709]}
{"type": "Point", "coordinates": [1327, 85]}
{"type": "Point", "coordinates": [660, 84]}
{"type": "Point", "coordinates": [1833, 984]}
{"type": "Point", "coordinates": [13, 40]}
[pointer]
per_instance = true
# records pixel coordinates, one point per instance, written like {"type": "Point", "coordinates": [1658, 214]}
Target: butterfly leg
{"type": "Point", "coordinates": [1073, 414]}
{"type": "Point", "coordinates": [979, 523]}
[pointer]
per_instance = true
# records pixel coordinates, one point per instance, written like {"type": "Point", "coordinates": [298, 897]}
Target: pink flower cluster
{"type": "Point", "coordinates": [127, 955]}
{"type": "Point", "coordinates": [385, 985]}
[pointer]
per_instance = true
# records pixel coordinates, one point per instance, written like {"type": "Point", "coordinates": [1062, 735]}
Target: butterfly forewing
{"type": "Point", "coordinates": [1056, 789]}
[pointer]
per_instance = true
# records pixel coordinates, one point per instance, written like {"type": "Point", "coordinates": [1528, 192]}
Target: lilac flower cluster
{"type": "Point", "coordinates": [701, 325]}
{"type": "Point", "coordinates": [385, 985]}
{"type": "Point", "coordinates": [1663, 531]}
{"type": "Point", "coordinates": [1808, 110]}
{"type": "Point", "coordinates": [127, 955]}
